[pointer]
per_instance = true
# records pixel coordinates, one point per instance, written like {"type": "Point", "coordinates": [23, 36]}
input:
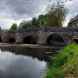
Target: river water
{"type": "Point", "coordinates": [20, 66]}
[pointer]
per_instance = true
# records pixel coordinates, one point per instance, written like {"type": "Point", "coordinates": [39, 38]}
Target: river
{"type": "Point", "coordinates": [20, 66]}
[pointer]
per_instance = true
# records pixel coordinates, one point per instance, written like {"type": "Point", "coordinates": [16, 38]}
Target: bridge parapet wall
{"type": "Point", "coordinates": [41, 34]}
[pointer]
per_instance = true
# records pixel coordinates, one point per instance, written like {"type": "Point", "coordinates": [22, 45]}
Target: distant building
{"type": "Point", "coordinates": [73, 22]}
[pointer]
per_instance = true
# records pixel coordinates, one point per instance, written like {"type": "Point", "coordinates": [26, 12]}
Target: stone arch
{"type": "Point", "coordinates": [11, 40]}
{"type": "Point", "coordinates": [30, 39]}
{"type": "Point", "coordinates": [75, 40]}
{"type": "Point", "coordinates": [55, 39]}
{"type": "Point", "coordinates": [0, 39]}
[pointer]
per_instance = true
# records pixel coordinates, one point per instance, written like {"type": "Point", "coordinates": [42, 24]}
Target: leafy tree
{"type": "Point", "coordinates": [42, 20]}
{"type": "Point", "coordinates": [35, 22]}
{"type": "Point", "coordinates": [25, 25]}
{"type": "Point", "coordinates": [0, 28]}
{"type": "Point", "coordinates": [13, 28]}
{"type": "Point", "coordinates": [56, 15]}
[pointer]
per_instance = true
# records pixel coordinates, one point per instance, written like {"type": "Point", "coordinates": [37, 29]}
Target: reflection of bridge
{"type": "Point", "coordinates": [50, 36]}
{"type": "Point", "coordinates": [56, 37]}
{"type": "Point", "coordinates": [40, 51]}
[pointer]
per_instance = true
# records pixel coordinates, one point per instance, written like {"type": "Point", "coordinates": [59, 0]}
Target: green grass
{"type": "Point", "coordinates": [66, 62]}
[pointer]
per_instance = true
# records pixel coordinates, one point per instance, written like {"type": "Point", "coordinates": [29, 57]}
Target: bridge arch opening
{"type": "Point", "coordinates": [11, 40]}
{"type": "Point", "coordinates": [30, 40]}
{"type": "Point", "coordinates": [55, 39]}
{"type": "Point", "coordinates": [0, 39]}
{"type": "Point", "coordinates": [75, 40]}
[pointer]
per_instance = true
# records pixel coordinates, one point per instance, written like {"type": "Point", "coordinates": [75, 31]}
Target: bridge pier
{"type": "Point", "coordinates": [43, 36]}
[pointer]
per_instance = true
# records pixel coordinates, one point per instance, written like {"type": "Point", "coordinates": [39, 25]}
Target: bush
{"type": "Point", "coordinates": [65, 64]}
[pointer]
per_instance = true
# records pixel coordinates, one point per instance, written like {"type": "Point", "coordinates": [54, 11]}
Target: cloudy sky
{"type": "Point", "coordinates": [17, 10]}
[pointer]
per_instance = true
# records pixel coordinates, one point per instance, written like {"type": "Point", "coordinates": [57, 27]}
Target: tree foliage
{"type": "Point", "coordinates": [24, 25]}
{"type": "Point", "coordinates": [64, 64]}
{"type": "Point", "coordinates": [13, 28]}
{"type": "Point", "coordinates": [0, 28]}
{"type": "Point", "coordinates": [35, 22]}
{"type": "Point", "coordinates": [54, 17]}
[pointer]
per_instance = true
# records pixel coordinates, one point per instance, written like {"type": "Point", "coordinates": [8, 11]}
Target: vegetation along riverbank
{"type": "Point", "coordinates": [65, 64]}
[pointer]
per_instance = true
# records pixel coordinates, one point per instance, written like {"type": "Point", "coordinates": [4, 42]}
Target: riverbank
{"type": "Point", "coordinates": [35, 50]}
{"type": "Point", "coordinates": [65, 64]}
{"type": "Point", "coordinates": [35, 47]}
{"type": "Point", "coordinates": [28, 45]}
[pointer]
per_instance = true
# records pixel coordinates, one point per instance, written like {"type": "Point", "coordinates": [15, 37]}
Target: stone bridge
{"type": "Point", "coordinates": [46, 36]}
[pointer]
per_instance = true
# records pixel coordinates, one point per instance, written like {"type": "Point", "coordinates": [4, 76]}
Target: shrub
{"type": "Point", "coordinates": [65, 63]}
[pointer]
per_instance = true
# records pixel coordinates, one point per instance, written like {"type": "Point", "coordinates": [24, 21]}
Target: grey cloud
{"type": "Point", "coordinates": [21, 8]}
{"type": "Point", "coordinates": [72, 7]}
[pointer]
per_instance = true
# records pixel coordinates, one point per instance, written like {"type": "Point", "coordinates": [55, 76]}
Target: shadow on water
{"type": "Point", "coordinates": [36, 52]}
{"type": "Point", "coordinates": [20, 66]}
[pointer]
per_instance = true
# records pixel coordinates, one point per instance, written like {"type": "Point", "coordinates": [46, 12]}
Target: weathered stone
{"type": "Point", "coordinates": [40, 36]}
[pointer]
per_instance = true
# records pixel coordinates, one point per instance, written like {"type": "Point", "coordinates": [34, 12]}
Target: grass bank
{"type": "Point", "coordinates": [65, 64]}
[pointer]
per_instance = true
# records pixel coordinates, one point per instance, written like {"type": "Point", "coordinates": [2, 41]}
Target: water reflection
{"type": "Point", "coordinates": [19, 66]}
{"type": "Point", "coordinates": [34, 52]}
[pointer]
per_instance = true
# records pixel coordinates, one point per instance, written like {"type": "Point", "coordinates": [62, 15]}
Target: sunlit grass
{"type": "Point", "coordinates": [65, 64]}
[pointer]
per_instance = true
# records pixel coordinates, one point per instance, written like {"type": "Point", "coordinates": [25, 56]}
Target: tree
{"type": "Point", "coordinates": [34, 22]}
{"type": "Point", "coordinates": [42, 20]}
{"type": "Point", "coordinates": [56, 15]}
{"type": "Point", "coordinates": [13, 28]}
{"type": "Point", "coordinates": [0, 28]}
{"type": "Point", "coordinates": [25, 25]}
